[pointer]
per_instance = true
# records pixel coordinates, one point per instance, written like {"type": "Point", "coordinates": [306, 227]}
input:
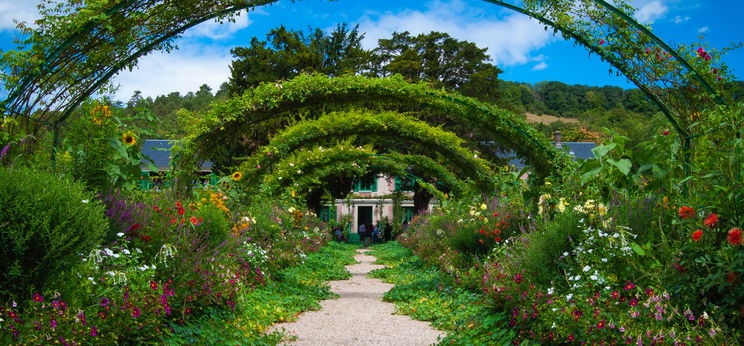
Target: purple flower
{"type": "Point", "coordinates": [4, 151]}
{"type": "Point", "coordinates": [136, 312]}
{"type": "Point", "coordinates": [93, 331]}
{"type": "Point", "coordinates": [104, 301]}
{"type": "Point", "coordinates": [38, 298]}
{"type": "Point", "coordinates": [53, 323]}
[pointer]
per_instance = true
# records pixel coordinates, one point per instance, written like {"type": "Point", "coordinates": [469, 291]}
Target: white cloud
{"type": "Point", "coordinates": [648, 12]}
{"type": "Point", "coordinates": [680, 19]}
{"type": "Point", "coordinates": [541, 66]}
{"type": "Point", "coordinates": [183, 70]}
{"type": "Point", "coordinates": [509, 40]}
{"type": "Point", "coordinates": [703, 30]}
{"type": "Point", "coordinates": [218, 31]}
{"type": "Point", "coordinates": [22, 10]}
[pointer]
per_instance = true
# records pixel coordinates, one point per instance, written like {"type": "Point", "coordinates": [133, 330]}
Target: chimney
{"type": "Point", "coordinates": [557, 139]}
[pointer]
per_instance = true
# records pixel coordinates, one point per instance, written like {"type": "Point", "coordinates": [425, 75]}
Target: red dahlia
{"type": "Point", "coordinates": [711, 221]}
{"type": "Point", "coordinates": [734, 236]}
{"type": "Point", "coordinates": [686, 212]}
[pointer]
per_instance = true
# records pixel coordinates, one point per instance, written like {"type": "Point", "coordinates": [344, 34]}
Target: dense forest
{"type": "Point", "coordinates": [436, 58]}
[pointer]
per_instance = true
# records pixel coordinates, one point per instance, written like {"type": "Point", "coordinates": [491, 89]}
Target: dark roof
{"type": "Point", "coordinates": [577, 150]}
{"type": "Point", "coordinates": [159, 151]}
{"type": "Point", "coordinates": [580, 150]}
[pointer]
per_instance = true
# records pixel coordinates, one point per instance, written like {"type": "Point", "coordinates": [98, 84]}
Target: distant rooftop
{"type": "Point", "coordinates": [159, 151]}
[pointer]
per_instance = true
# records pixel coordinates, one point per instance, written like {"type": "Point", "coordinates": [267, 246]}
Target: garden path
{"type": "Point", "coordinates": [359, 316]}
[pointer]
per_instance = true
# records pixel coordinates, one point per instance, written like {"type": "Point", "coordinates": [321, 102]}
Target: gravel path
{"type": "Point", "coordinates": [359, 316]}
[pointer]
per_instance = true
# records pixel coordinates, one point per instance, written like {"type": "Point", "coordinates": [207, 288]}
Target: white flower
{"type": "Point", "coordinates": [126, 252]}
{"type": "Point", "coordinates": [593, 277]}
{"type": "Point", "coordinates": [568, 297]}
{"type": "Point", "coordinates": [551, 290]}
{"type": "Point", "coordinates": [604, 260]}
{"type": "Point", "coordinates": [586, 268]}
{"type": "Point", "coordinates": [565, 254]}
{"type": "Point", "coordinates": [108, 252]}
{"type": "Point", "coordinates": [111, 273]}
{"type": "Point", "coordinates": [116, 255]}
{"type": "Point", "coordinates": [299, 171]}
{"type": "Point", "coordinates": [85, 201]}
{"type": "Point", "coordinates": [120, 234]}
{"type": "Point", "coordinates": [137, 250]}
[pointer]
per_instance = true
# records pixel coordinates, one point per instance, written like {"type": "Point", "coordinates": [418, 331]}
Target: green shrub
{"type": "Point", "coordinates": [215, 224]}
{"type": "Point", "coordinates": [541, 257]}
{"type": "Point", "coordinates": [46, 224]}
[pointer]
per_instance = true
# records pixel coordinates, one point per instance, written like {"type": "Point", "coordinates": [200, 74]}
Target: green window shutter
{"type": "Point", "coordinates": [397, 184]}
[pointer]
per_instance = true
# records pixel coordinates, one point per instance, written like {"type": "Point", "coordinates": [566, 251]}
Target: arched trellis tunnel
{"type": "Point", "coordinates": [271, 101]}
{"type": "Point", "coordinates": [77, 49]}
{"type": "Point", "coordinates": [305, 169]}
{"type": "Point", "coordinates": [310, 133]}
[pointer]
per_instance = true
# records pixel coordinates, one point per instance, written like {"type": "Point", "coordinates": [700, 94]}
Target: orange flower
{"type": "Point", "coordinates": [711, 221]}
{"type": "Point", "coordinates": [697, 235]}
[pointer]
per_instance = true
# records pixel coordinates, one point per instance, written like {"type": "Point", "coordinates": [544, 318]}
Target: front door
{"type": "Point", "coordinates": [364, 216]}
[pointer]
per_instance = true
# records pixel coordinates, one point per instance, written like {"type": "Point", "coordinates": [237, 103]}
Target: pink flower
{"type": "Point", "coordinates": [136, 312]}
{"type": "Point", "coordinates": [601, 41]}
{"type": "Point", "coordinates": [38, 298]}
{"type": "Point", "coordinates": [665, 133]}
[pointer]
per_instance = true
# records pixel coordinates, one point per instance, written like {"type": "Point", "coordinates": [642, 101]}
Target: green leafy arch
{"type": "Point", "coordinates": [305, 167]}
{"type": "Point", "coordinates": [337, 125]}
{"type": "Point", "coordinates": [284, 100]}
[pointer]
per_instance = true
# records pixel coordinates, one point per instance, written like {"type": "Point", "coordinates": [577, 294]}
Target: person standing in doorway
{"type": "Point", "coordinates": [362, 233]}
{"type": "Point", "coordinates": [387, 233]}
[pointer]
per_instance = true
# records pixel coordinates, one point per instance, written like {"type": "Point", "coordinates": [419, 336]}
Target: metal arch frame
{"type": "Point", "coordinates": [70, 106]}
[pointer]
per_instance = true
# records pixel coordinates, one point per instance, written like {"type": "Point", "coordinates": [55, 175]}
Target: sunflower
{"type": "Point", "coordinates": [237, 176]}
{"type": "Point", "coordinates": [129, 139]}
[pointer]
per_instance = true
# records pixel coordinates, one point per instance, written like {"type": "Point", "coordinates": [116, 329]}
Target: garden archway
{"type": "Point", "coordinates": [275, 100]}
{"type": "Point", "coordinates": [369, 125]}
{"type": "Point", "coordinates": [305, 168]}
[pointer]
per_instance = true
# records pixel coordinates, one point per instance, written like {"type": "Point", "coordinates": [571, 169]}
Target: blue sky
{"type": "Point", "coordinates": [517, 44]}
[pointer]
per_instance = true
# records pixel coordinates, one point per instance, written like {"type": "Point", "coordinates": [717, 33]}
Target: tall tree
{"type": "Point", "coordinates": [285, 54]}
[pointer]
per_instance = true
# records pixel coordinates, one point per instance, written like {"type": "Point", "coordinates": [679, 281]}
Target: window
{"type": "Point", "coordinates": [367, 183]}
{"type": "Point", "coordinates": [328, 213]}
{"type": "Point", "coordinates": [407, 214]}
{"type": "Point", "coordinates": [404, 184]}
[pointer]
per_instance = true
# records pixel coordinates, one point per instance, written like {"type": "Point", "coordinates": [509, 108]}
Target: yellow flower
{"type": "Point", "coordinates": [128, 139]}
{"type": "Point", "coordinates": [602, 209]}
{"type": "Point", "coordinates": [483, 207]}
{"type": "Point", "coordinates": [237, 176]}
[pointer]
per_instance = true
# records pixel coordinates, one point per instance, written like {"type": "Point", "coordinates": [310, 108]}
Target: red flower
{"type": "Point", "coordinates": [134, 227]}
{"type": "Point", "coordinates": [153, 285]}
{"type": "Point", "coordinates": [615, 294]}
{"type": "Point", "coordinates": [570, 338]}
{"type": "Point", "coordinates": [697, 235]}
{"type": "Point", "coordinates": [600, 324]}
{"type": "Point", "coordinates": [686, 212]}
{"type": "Point", "coordinates": [601, 41]}
{"type": "Point", "coordinates": [179, 204]}
{"type": "Point", "coordinates": [711, 221]}
{"type": "Point", "coordinates": [665, 133]}
{"type": "Point", "coordinates": [173, 221]}
{"type": "Point", "coordinates": [629, 286]}
{"type": "Point", "coordinates": [498, 239]}
{"type": "Point", "coordinates": [155, 207]}
{"type": "Point", "coordinates": [193, 220]}
{"type": "Point", "coordinates": [181, 211]}
{"type": "Point", "coordinates": [633, 302]}
{"type": "Point", "coordinates": [731, 277]}
{"type": "Point", "coordinates": [734, 236]}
